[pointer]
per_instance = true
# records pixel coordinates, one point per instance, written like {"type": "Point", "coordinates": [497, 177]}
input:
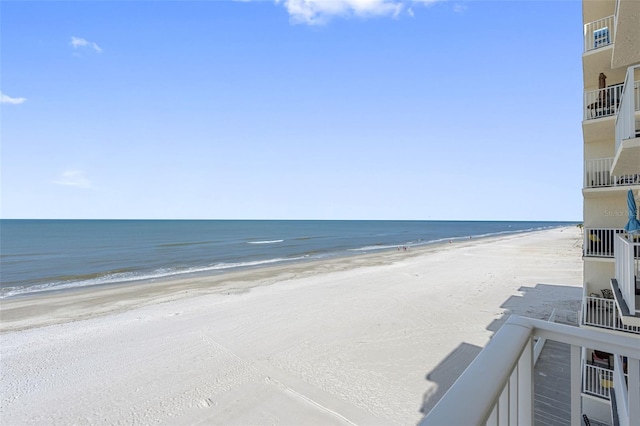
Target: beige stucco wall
{"type": "Point", "coordinates": [600, 130]}
{"type": "Point", "coordinates": [602, 149]}
{"type": "Point", "coordinates": [592, 10]}
{"type": "Point", "coordinates": [609, 211]}
{"type": "Point", "coordinates": [597, 275]}
{"type": "Point", "coordinates": [627, 35]}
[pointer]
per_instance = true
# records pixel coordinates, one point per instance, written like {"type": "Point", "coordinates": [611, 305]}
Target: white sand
{"type": "Point", "coordinates": [367, 340]}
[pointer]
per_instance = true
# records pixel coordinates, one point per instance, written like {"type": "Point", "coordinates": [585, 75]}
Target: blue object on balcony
{"type": "Point", "coordinates": [601, 37]}
{"type": "Point", "coordinates": [633, 226]}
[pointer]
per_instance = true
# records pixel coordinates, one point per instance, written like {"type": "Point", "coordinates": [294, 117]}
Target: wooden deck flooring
{"type": "Point", "coordinates": [552, 398]}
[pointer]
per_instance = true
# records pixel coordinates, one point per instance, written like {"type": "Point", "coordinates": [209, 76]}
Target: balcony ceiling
{"type": "Point", "coordinates": [593, 63]}
{"type": "Point", "coordinates": [627, 160]}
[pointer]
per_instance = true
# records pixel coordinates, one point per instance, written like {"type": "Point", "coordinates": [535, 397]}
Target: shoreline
{"type": "Point", "coordinates": [45, 308]}
{"type": "Point", "coordinates": [372, 339]}
{"type": "Point", "coordinates": [195, 271]}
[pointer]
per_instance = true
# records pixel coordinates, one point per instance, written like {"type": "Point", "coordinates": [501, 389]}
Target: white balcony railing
{"type": "Point", "coordinates": [497, 387]}
{"type": "Point", "coordinates": [596, 380]}
{"type": "Point", "coordinates": [597, 174]}
{"type": "Point", "coordinates": [599, 242]}
{"type": "Point", "coordinates": [626, 125]}
{"type": "Point", "coordinates": [601, 312]}
{"type": "Point", "coordinates": [599, 33]}
{"type": "Point", "coordinates": [602, 102]}
{"type": "Point", "coordinates": [627, 252]}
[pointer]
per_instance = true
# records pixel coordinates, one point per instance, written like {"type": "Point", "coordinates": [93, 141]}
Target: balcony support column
{"type": "Point", "coordinates": [576, 385]}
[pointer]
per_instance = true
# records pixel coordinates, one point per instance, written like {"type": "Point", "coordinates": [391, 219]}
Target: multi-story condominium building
{"type": "Point", "coordinates": [611, 130]}
{"type": "Point", "coordinates": [605, 348]}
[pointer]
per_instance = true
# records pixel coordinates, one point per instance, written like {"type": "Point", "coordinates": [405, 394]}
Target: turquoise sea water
{"type": "Point", "coordinates": [45, 255]}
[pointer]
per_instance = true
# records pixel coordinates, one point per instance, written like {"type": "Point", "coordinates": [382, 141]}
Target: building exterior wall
{"type": "Point", "coordinates": [597, 274]}
{"type": "Point", "coordinates": [606, 210]}
{"type": "Point", "coordinates": [604, 206]}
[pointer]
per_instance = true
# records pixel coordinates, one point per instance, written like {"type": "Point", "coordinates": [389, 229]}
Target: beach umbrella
{"type": "Point", "coordinates": [603, 96]}
{"type": "Point", "coordinates": [602, 81]}
{"type": "Point", "coordinates": [633, 226]}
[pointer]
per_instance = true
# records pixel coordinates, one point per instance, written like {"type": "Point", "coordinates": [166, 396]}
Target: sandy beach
{"type": "Point", "coordinates": [374, 339]}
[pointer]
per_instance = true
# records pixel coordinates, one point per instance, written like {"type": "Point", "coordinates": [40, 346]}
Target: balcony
{"type": "Point", "coordinates": [602, 102]}
{"type": "Point", "coordinates": [626, 284]}
{"type": "Point", "coordinates": [605, 382]}
{"type": "Point", "coordinates": [599, 242]}
{"type": "Point", "coordinates": [627, 127]}
{"type": "Point", "coordinates": [599, 34]}
{"type": "Point", "coordinates": [597, 175]}
{"type": "Point", "coordinates": [497, 387]}
{"type": "Point", "coordinates": [602, 312]}
{"type": "Point", "coordinates": [596, 381]}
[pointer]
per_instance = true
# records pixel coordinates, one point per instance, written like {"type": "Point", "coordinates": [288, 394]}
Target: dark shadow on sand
{"type": "Point", "coordinates": [447, 372]}
{"type": "Point", "coordinates": [566, 299]}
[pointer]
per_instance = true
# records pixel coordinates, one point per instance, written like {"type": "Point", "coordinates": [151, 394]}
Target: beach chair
{"type": "Point", "coordinates": [607, 293]}
{"type": "Point", "coordinates": [601, 359]}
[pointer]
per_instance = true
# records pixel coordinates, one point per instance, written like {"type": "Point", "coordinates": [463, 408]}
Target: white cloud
{"type": "Point", "coordinates": [320, 11]}
{"type": "Point", "coordinates": [317, 12]}
{"type": "Point", "coordinates": [78, 42]}
{"type": "Point", "coordinates": [6, 99]}
{"type": "Point", "coordinates": [75, 178]}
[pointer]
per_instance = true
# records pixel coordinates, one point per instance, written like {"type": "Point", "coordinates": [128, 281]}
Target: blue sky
{"type": "Point", "coordinates": [349, 109]}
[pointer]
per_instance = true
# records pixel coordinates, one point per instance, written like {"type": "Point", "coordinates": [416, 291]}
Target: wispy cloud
{"type": "Point", "coordinates": [80, 43]}
{"type": "Point", "coordinates": [75, 178]}
{"type": "Point", "coordinates": [318, 12]}
{"type": "Point", "coordinates": [6, 99]}
{"type": "Point", "coordinates": [459, 8]}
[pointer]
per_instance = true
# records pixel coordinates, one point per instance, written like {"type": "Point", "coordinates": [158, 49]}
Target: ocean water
{"type": "Point", "coordinates": [46, 255]}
